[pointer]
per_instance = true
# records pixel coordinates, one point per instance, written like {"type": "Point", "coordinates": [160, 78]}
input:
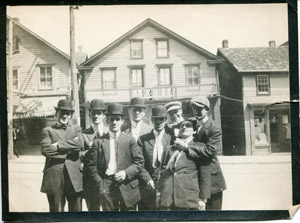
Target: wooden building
{"type": "Point", "coordinates": [41, 77]}
{"type": "Point", "coordinates": [152, 62]}
{"type": "Point", "coordinates": [255, 92]}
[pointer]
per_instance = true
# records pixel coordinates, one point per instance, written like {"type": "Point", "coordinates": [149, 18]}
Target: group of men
{"type": "Point", "coordinates": [113, 165]}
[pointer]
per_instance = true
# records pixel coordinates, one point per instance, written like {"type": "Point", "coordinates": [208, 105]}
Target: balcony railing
{"type": "Point", "coordinates": [153, 93]}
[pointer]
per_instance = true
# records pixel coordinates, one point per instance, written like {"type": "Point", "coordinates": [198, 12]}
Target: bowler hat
{"type": "Point", "coordinates": [200, 101]}
{"type": "Point", "coordinates": [159, 111]}
{"type": "Point", "coordinates": [97, 104]}
{"type": "Point", "coordinates": [137, 102]}
{"type": "Point", "coordinates": [114, 109]}
{"type": "Point", "coordinates": [173, 105]}
{"type": "Point", "coordinates": [64, 104]}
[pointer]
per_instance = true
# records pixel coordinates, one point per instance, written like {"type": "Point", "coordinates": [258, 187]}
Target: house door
{"type": "Point", "coordinates": [280, 131]}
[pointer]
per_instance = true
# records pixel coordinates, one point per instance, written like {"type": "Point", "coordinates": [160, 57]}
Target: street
{"type": "Point", "coordinates": [253, 183]}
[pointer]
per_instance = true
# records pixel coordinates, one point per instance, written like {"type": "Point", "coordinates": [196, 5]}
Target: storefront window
{"type": "Point", "coordinates": [260, 128]}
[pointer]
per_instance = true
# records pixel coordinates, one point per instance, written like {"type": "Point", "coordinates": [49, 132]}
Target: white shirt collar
{"type": "Point", "coordinates": [136, 124]}
{"type": "Point", "coordinates": [189, 139]}
{"type": "Point", "coordinates": [112, 134]}
{"type": "Point", "coordinates": [203, 121]}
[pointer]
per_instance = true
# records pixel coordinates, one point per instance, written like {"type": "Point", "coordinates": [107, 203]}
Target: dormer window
{"type": "Point", "coordinates": [136, 49]}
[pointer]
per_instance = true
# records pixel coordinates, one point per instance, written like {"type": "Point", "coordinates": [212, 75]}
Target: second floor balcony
{"type": "Point", "coordinates": [153, 93]}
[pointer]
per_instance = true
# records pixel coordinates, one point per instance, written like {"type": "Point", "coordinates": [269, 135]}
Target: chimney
{"type": "Point", "coordinates": [16, 19]}
{"type": "Point", "coordinates": [79, 49]}
{"type": "Point", "coordinates": [272, 43]}
{"type": "Point", "coordinates": [225, 43]}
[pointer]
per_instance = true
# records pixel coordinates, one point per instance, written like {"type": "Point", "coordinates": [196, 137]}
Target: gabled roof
{"type": "Point", "coordinates": [257, 59]}
{"type": "Point", "coordinates": [39, 38]}
{"type": "Point", "coordinates": [157, 26]}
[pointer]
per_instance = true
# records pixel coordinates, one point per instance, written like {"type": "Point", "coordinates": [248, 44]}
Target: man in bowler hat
{"type": "Point", "coordinates": [114, 164]}
{"type": "Point", "coordinates": [84, 142]}
{"type": "Point", "coordinates": [153, 145]}
{"type": "Point", "coordinates": [136, 126]}
{"type": "Point", "coordinates": [62, 178]}
{"type": "Point", "coordinates": [210, 136]}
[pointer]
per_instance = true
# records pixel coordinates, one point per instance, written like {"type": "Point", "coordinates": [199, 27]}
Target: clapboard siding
{"type": "Point", "coordinates": [119, 57]}
{"type": "Point", "coordinates": [32, 52]}
{"type": "Point", "coordinates": [279, 88]}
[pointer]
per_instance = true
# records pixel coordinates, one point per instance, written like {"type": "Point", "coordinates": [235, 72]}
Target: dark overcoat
{"type": "Point", "coordinates": [185, 182]}
{"type": "Point", "coordinates": [210, 138]}
{"type": "Point", "coordinates": [84, 142]}
{"type": "Point", "coordinates": [129, 159]}
{"type": "Point", "coordinates": [146, 143]}
{"type": "Point", "coordinates": [57, 160]}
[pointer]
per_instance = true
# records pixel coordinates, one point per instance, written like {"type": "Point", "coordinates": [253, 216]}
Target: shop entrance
{"type": "Point", "coordinates": [280, 129]}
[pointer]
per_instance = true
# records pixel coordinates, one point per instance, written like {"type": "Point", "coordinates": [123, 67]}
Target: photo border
{"type": "Point", "coordinates": [240, 215]}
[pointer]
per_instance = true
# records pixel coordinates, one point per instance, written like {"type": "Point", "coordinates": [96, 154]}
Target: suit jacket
{"type": "Point", "coordinates": [145, 128]}
{"type": "Point", "coordinates": [130, 159]}
{"type": "Point", "coordinates": [184, 182]}
{"type": "Point", "coordinates": [209, 138]}
{"type": "Point", "coordinates": [56, 160]}
{"type": "Point", "coordinates": [146, 143]}
{"type": "Point", "coordinates": [84, 142]}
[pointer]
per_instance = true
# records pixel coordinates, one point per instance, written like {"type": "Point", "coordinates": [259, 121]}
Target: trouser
{"type": "Point", "coordinates": [148, 201]}
{"type": "Point", "coordinates": [65, 192]}
{"type": "Point", "coordinates": [93, 203]}
{"type": "Point", "coordinates": [111, 198]}
{"type": "Point", "coordinates": [215, 202]}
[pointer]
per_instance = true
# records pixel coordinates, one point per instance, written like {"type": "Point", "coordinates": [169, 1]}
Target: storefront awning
{"type": "Point", "coordinates": [36, 107]}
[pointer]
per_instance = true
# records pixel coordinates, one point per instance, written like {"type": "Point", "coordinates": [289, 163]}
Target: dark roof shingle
{"type": "Point", "coordinates": [257, 58]}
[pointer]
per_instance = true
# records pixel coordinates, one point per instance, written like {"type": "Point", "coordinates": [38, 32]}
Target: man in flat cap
{"type": "Point", "coordinates": [62, 178]}
{"type": "Point", "coordinates": [174, 112]}
{"type": "Point", "coordinates": [114, 163]}
{"type": "Point", "coordinates": [210, 137]}
{"type": "Point", "coordinates": [153, 145]}
{"type": "Point", "coordinates": [136, 126]}
{"type": "Point", "coordinates": [84, 142]}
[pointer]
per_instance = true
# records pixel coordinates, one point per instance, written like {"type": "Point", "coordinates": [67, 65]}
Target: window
{"type": "Point", "coordinates": [136, 49]}
{"type": "Point", "coordinates": [260, 126]}
{"type": "Point", "coordinates": [192, 74]}
{"type": "Point", "coordinates": [262, 83]}
{"type": "Point", "coordinates": [137, 77]}
{"type": "Point", "coordinates": [162, 48]}
{"type": "Point", "coordinates": [108, 78]}
{"type": "Point", "coordinates": [164, 76]}
{"type": "Point", "coordinates": [46, 81]}
{"type": "Point", "coordinates": [15, 80]}
{"type": "Point", "coordinates": [16, 42]}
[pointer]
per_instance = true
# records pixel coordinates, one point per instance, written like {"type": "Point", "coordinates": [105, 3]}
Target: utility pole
{"type": "Point", "coordinates": [75, 96]}
{"type": "Point", "coordinates": [10, 92]}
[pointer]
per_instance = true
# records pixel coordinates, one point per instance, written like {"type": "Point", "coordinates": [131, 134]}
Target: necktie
{"type": "Point", "coordinates": [61, 126]}
{"type": "Point", "coordinates": [116, 147]}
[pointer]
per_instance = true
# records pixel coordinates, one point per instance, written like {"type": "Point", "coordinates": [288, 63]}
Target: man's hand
{"type": "Point", "coordinates": [151, 185]}
{"type": "Point", "coordinates": [180, 145]}
{"type": "Point", "coordinates": [202, 205]}
{"type": "Point", "coordinates": [120, 176]}
{"type": "Point", "coordinates": [157, 199]}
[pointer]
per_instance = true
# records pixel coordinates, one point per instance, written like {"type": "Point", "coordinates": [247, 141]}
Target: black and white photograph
{"type": "Point", "coordinates": [148, 108]}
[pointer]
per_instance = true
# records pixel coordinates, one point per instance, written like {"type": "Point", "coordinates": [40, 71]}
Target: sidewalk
{"type": "Point", "coordinates": [253, 183]}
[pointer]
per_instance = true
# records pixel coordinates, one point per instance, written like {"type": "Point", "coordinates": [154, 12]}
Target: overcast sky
{"type": "Point", "coordinates": [244, 25]}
